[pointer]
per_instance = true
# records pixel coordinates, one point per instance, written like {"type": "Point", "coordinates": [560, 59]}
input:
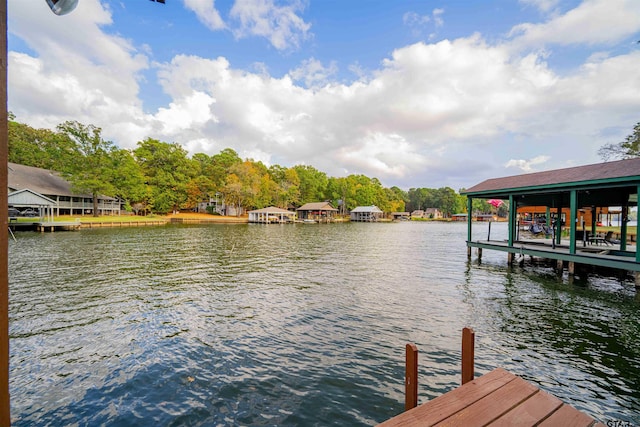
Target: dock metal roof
{"type": "Point", "coordinates": [317, 206]}
{"type": "Point", "coordinates": [272, 210]}
{"type": "Point", "coordinates": [622, 172]}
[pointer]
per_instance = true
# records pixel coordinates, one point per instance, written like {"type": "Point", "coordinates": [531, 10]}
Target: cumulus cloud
{"type": "Point", "coordinates": [592, 22]}
{"type": "Point", "coordinates": [282, 25]}
{"type": "Point", "coordinates": [313, 73]}
{"type": "Point", "coordinates": [80, 72]}
{"type": "Point", "coordinates": [542, 5]}
{"type": "Point", "coordinates": [430, 111]}
{"type": "Point", "coordinates": [206, 12]}
{"type": "Point", "coordinates": [526, 165]}
{"type": "Point", "coordinates": [419, 23]}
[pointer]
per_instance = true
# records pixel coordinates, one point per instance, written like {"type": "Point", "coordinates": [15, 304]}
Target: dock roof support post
{"type": "Point", "coordinates": [637, 240]}
{"type": "Point", "coordinates": [623, 227]}
{"type": "Point", "coordinates": [548, 215]}
{"type": "Point", "coordinates": [573, 209]}
{"type": "Point", "coordinates": [513, 226]}
{"type": "Point", "coordinates": [469, 207]}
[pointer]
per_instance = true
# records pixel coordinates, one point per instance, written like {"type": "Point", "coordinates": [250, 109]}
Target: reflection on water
{"type": "Point", "coordinates": [296, 324]}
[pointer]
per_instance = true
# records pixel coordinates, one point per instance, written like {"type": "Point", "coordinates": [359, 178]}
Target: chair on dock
{"type": "Point", "coordinates": [609, 238]}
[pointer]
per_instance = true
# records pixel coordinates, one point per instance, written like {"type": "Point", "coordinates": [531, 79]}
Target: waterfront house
{"type": "Point", "coordinates": [271, 214]}
{"type": "Point", "coordinates": [418, 213]}
{"type": "Point", "coordinates": [366, 214]}
{"type": "Point", "coordinates": [317, 211]}
{"type": "Point", "coordinates": [53, 186]}
{"type": "Point", "coordinates": [567, 191]}
{"type": "Point", "coordinates": [433, 213]}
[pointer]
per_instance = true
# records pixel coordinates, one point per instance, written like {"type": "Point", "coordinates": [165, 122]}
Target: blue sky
{"type": "Point", "coordinates": [415, 93]}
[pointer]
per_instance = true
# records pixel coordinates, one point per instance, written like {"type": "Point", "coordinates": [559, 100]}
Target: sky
{"type": "Point", "coordinates": [415, 93]}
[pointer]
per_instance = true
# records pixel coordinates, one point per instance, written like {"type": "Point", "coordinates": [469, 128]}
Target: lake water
{"type": "Point", "coordinates": [297, 324]}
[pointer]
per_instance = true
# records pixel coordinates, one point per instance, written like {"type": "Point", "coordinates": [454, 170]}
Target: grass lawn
{"type": "Point", "coordinates": [148, 218]}
{"type": "Point", "coordinates": [120, 218]}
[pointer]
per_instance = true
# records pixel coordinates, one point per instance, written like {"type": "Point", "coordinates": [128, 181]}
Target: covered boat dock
{"type": "Point", "coordinates": [570, 237]}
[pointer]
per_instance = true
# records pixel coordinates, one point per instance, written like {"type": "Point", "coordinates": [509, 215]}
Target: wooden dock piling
{"type": "Point", "coordinates": [411, 377]}
{"type": "Point", "coordinates": [468, 343]}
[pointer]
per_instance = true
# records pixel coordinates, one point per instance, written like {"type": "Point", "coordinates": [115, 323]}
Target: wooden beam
{"type": "Point", "coordinates": [468, 341]}
{"type": "Point", "coordinates": [5, 418]}
{"type": "Point", "coordinates": [411, 377]}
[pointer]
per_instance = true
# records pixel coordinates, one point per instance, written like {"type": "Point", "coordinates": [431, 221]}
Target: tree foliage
{"type": "Point", "coordinates": [160, 177]}
{"type": "Point", "coordinates": [92, 171]}
{"type": "Point", "coordinates": [627, 149]}
{"type": "Point", "coordinates": [167, 171]}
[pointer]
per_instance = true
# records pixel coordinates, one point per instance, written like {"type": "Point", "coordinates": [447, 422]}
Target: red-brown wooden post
{"type": "Point", "coordinates": [411, 378]}
{"type": "Point", "coordinates": [468, 341]}
{"type": "Point", "coordinates": [5, 417]}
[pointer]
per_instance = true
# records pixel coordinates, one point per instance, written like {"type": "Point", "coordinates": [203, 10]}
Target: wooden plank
{"type": "Point", "coordinates": [531, 411]}
{"type": "Point", "coordinates": [444, 406]}
{"type": "Point", "coordinates": [493, 405]}
{"type": "Point", "coordinates": [568, 416]}
{"type": "Point", "coordinates": [411, 378]}
{"type": "Point", "coordinates": [468, 342]}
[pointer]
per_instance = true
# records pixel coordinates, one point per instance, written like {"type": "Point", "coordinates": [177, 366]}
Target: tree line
{"type": "Point", "coordinates": [160, 177]}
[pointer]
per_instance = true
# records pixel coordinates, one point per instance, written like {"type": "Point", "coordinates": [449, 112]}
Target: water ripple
{"type": "Point", "coordinates": [295, 325]}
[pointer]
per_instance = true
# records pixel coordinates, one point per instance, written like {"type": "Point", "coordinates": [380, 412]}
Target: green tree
{"type": "Point", "coordinates": [242, 185]}
{"type": "Point", "coordinates": [41, 148]}
{"type": "Point", "coordinates": [397, 199]}
{"type": "Point", "coordinates": [448, 201]}
{"type": "Point", "coordinates": [313, 184]}
{"type": "Point", "coordinates": [287, 191]}
{"type": "Point", "coordinates": [128, 180]}
{"type": "Point", "coordinates": [627, 149]}
{"type": "Point", "coordinates": [167, 171]}
{"type": "Point", "coordinates": [93, 172]}
{"type": "Point", "coordinates": [338, 191]}
{"type": "Point", "coordinates": [219, 167]}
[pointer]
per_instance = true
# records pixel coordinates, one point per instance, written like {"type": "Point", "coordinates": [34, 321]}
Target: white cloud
{"type": "Point", "coordinates": [527, 165]}
{"type": "Point", "coordinates": [280, 24]}
{"type": "Point", "coordinates": [206, 12]}
{"type": "Point", "coordinates": [542, 5]}
{"type": "Point", "coordinates": [413, 19]}
{"type": "Point", "coordinates": [187, 113]}
{"type": "Point", "coordinates": [437, 17]}
{"type": "Point", "coordinates": [80, 72]}
{"type": "Point", "coordinates": [382, 155]}
{"type": "Point", "coordinates": [592, 22]}
{"type": "Point", "coordinates": [419, 23]}
{"type": "Point", "coordinates": [431, 111]}
{"type": "Point", "coordinates": [313, 73]}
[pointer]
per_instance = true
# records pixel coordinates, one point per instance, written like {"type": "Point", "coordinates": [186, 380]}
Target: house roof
{"type": "Point", "coordinates": [39, 180]}
{"type": "Point", "coordinates": [42, 181]}
{"type": "Point", "coordinates": [272, 209]}
{"type": "Point", "coordinates": [317, 206]}
{"type": "Point", "coordinates": [621, 171]}
{"type": "Point", "coordinates": [27, 197]}
{"type": "Point", "coordinates": [370, 209]}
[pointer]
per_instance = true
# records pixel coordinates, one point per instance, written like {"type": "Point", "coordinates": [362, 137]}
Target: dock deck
{"type": "Point", "coordinates": [593, 254]}
{"type": "Point", "coordinates": [498, 398]}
